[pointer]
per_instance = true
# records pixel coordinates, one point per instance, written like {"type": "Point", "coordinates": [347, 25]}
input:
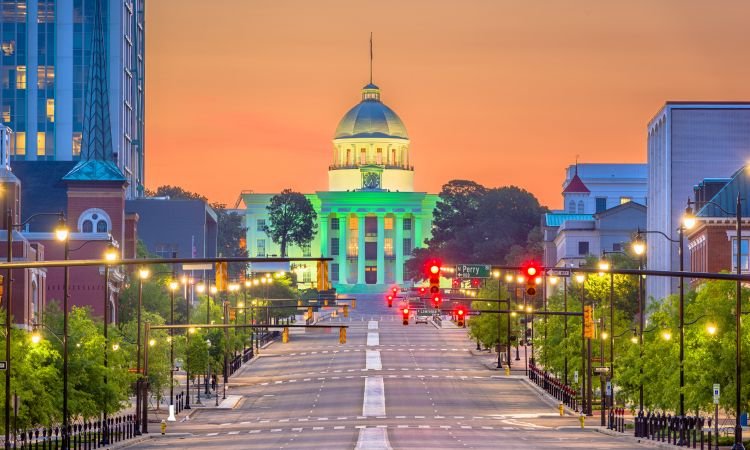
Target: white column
{"type": "Point", "coordinates": [417, 225]}
{"type": "Point", "coordinates": [63, 80]}
{"type": "Point", "coordinates": [361, 250]}
{"type": "Point", "coordinates": [324, 235]}
{"type": "Point", "coordinates": [32, 89]}
{"type": "Point", "coordinates": [343, 262]}
{"type": "Point", "coordinates": [381, 249]}
{"type": "Point", "coordinates": [398, 243]}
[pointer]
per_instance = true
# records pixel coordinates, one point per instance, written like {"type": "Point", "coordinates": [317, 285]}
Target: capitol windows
{"type": "Point", "coordinates": [260, 248]}
{"type": "Point", "coordinates": [388, 246]}
{"type": "Point", "coordinates": [353, 223]}
{"type": "Point", "coordinates": [379, 156]}
{"type": "Point", "coordinates": [572, 207]}
{"type": "Point", "coordinates": [335, 272]}
{"type": "Point", "coordinates": [260, 225]}
{"type": "Point", "coordinates": [348, 157]}
{"type": "Point", "coordinates": [363, 156]}
{"type": "Point", "coordinates": [334, 223]}
{"type": "Point", "coordinates": [306, 251]}
{"type": "Point", "coordinates": [407, 246]}
{"type": "Point", "coordinates": [388, 223]}
{"type": "Point", "coordinates": [393, 156]}
{"type": "Point", "coordinates": [335, 246]}
{"type": "Point", "coordinates": [407, 224]}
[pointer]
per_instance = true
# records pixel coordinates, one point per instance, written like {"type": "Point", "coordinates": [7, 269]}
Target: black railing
{"type": "Point", "coordinates": [616, 419]}
{"type": "Point", "coordinates": [688, 431]}
{"type": "Point", "coordinates": [85, 435]}
{"type": "Point", "coordinates": [554, 387]}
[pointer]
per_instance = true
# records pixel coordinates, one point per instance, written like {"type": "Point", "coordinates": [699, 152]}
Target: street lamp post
{"type": "Point", "coordinates": [187, 344]}
{"type": "Point", "coordinates": [143, 273]}
{"type": "Point", "coordinates": [110, 256]}
{"type": "Point", "coordinates": [9, 296]}
{"type": "Point", "coordinates": [738, 444]}
{"type": "Point", "coordinates": [639, 247]}
{"type": "Point", "coordinates": [173, 285]}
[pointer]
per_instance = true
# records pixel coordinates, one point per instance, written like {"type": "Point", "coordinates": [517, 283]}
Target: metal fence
{"type": "Point", "coordinates": [688, 431]}
{"type": "Point", "coordinates": [553, 386]}
{"type": "Point", "coordinates": [83, 436]}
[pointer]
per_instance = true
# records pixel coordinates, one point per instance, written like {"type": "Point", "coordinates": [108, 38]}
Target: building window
{"type": "Point", "coordinates": [306, 276]}
{"type": "Point", "coordinates": [388, 246]}
{"type": "Point", "coordinates": [583, 248]}
{"type": "Point", "coordinates": [166, 250]}
{"type": "Point", "coordinates": [306, 252]}
{"type": "Point", "coordinates": [353, 247]}
{"type": "Point", "coordinates": [379, 156]}
{"type": "Point", "coordinates": [407, 246]}
{"type": "Point", "coordinates": [743, 256]}
{"type": "Point", "coordinates": [94, 219]}
{"type": "Point", "coordinates": [51, 109]}
{"type": "Point", "coordinates": [624, 200]}
{"type": "Point", "coordinates": [407, 224]}
{"type": "Point", "coordinates": [601, 204]}
{"type": "Point", "coordinates": [572, 207]}
{"type": "Point", "coordinates": [260, 225]}
{"type": "Point", "coordinates": [335, 223]}
{"type": "Point", "coordinates": [335, 272]}
{"type": "Point", "coordinates": [6, 114]}
{"type": "Point", "coordinates": [353, 223]}
{"type": "Point", "coordinates": [20, 143]}
{"type": "Point", "coordinates": [77, 136]}
{"type": "Point", "coordinates": [580, 206]}
{"type": "Point", "coordinates": [362, 156]}
{"type": "Point", "coordinates": [260, 248]}
{"type": "Point", "coordinates": [335, 246]}
{"type": "Point", "coordinates": [21, 77]}
{"type": "Point", "coordinates": [41, 143]}
{"type": "Point", "coordinates": [388, 223]}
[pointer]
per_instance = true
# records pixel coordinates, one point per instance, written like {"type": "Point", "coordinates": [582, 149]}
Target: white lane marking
{"type": "Point", "coordinates": [373, 360]}
{"type": "Point", "coordinates": [233, 432]}
{"type": "Point", "coordinates": [372, 325]}
{"type": "Point", "coordinates": [373, 339]}
{"type": "Point", "coordinates": [374, 401]}
{"type": "Point", "coordinates": [373, 439]}
{"type": "Point", "coordinates": [212, 434]}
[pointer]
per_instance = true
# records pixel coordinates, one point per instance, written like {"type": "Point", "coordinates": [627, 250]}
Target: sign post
{"type": "Point", "coordinates": [717, 395]}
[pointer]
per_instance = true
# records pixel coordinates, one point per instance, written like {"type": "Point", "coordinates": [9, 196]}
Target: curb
{"type": "Point", "coordinates": [146, 437]}
{"type": "Point", "coordinates": [648, 442]}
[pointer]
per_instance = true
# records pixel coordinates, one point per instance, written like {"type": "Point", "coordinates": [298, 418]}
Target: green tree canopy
{"type": "Point", "coordinates": [291, 219]}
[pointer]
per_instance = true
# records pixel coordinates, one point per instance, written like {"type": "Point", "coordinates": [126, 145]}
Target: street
{"type": "Point", "coordinates": [390, 386]}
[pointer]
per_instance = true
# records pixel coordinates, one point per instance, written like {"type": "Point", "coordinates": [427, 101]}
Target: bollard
{"type": "Point", "coordinates": [561, 408]}
{"type": "Point", "coordinates": [582, 419]}
{"type": "Point", "coordinates": [507, 370]}
{"type": "Point", "coordinates": [285, 335]}
{"type": "Point", "coordinates": [163, 426]}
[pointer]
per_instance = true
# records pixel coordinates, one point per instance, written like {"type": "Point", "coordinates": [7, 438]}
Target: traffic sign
{"type": "Point", "coordinates": [558, 272]}
{"type": "Point", "coordinates": [603, 370]}
{"type": "Point", "coordinates": [717, 393]}
{"type": "Point", "coordinates": [472, 271]}
{"type": "Point", "coordinates": [3, 365]}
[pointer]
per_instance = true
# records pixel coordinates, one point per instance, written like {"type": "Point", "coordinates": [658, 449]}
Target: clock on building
{"type": "Point", "coordinates": [371, 180]}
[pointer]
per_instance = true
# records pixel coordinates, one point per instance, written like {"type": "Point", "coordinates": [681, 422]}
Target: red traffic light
{"type": "Point", "coordinates": [422, 290]}
{"type": "Point", "coordinates": [460, 312]}
{"type": "Point", "coordinates": [405, 310]}
{"type": "Point", "coordinates": [390, 298]}
{"type": "Point", "coordinates": [394, 290]}
{"type": "Point", "coordinates": [434, 269]}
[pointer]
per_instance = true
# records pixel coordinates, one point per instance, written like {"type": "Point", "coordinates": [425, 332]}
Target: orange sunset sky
{"type": "Point", "coordinates": [246, 95]}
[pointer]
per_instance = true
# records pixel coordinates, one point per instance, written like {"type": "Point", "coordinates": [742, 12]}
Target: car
{"type": "Point", "coordinates": [421, 318]}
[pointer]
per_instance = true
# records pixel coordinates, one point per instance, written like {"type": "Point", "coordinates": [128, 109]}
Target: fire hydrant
{"type": "Point", "coordinates": [582, 419]}
{"type": "Point", "coordinates": [561, 408]}
{"type": "Point", "coordinates": [507, 370]}
{"type": "Point", "coordinates": [163, 426]}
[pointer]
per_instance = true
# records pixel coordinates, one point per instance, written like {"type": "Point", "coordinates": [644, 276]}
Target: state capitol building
{"type": "Point", "coordinates": [370, 218]}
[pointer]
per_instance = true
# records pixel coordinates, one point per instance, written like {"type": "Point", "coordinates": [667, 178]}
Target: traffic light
{"type": "Point", "coordinates": [324, 282]}
{"type": "Point", "coordinates": [405, 313]}
{"type": "Point", "coordinates": [390, 301]}
{"type": "Point", "coordinates": [346, 310]}
{"type": "Point", "coordinates": [461, 316]}
{"type": "Point", "coordinates": [232, 315]}
{"type": "Point", "coordinates": [422, 290]}
{"type": "Point", "coordinates": [433, 276]}
{"type": "Point", "coordinates": [342, 335]}
{"type": "Point", "coordinates": [588, 322]}
{"type": "Point", "coordinates": [436, 300]}
{"type": "Point", "coordinates": [221, 276]}
{"type": "Point", "coordinates": [532, 272]}
{"type": "Point", "coordinates": [394, 290]}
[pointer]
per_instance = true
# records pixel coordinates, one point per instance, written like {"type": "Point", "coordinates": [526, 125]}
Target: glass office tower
{"type": "Point", "coordinates": [46, 52]}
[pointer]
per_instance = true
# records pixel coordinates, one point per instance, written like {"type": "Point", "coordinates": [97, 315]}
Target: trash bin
{"type": "Point", "coordinates": [743, 419]}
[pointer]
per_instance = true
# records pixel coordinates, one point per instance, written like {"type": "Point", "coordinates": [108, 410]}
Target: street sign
{"type": "Point", "coordinates": [3, 365]}
{"type": "Point", "coordinates": [601, 370]}
{"type": "Point", "coordinates": [197, 266]}
{"type": "Point", "coordinates": [472, 271]}
{"type": "Point", "coordinates": [717, 393]}
{"type": "Point", "coordinates": [609, 388]}
{"type": "Point", "coordinates": [575, 376]}
{"type": "Point", "coordinates": [558, 272]}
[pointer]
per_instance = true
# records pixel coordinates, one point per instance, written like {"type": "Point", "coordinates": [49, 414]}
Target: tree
{"type": "Point", "coordinates": [291, 219]}
{"type": "Point", "coordinates": [231, 237]}
{"type": "Point", "coordinates": [174, 193]}
{"type": "Point", "coordinates": [474, 224]}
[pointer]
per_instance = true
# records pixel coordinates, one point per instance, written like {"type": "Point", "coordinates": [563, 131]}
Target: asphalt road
{"type": "Point", "coordinates": [390, 386]}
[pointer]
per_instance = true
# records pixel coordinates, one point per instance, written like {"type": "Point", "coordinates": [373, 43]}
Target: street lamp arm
{"type": "Point", "coordinates": [696, 319]}
{"type": "Point", "coordinates": [630, 330]}
{"type": "Point", "coordinates": [59, 214]}
{"type": "Point", "coordinates": [110, 240]}
{"type": "Point", "coordinates": [709, 202]}
{"type": "Point", "coordinates": [44, 325]}
{"type": "Point", "coordinates": [639, 232]}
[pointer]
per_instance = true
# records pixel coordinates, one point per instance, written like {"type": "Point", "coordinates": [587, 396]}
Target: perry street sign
{"type": "Point", "coordinates": [472, 271]}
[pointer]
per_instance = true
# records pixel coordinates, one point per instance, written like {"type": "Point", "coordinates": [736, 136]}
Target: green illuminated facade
{"type": "Point", "coordinates": [370, 218]}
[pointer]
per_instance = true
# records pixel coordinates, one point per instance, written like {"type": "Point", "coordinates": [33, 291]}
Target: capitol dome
{"type": "Point", "coordinates": [370, 118]}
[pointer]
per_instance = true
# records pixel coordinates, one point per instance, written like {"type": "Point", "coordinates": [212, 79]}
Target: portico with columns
{"type": "Point", "coordinates": [370, 219]}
